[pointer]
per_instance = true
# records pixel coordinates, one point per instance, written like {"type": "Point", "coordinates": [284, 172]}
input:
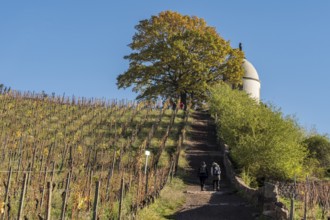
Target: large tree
{"type": "Point", "coordinates": [179, 56]}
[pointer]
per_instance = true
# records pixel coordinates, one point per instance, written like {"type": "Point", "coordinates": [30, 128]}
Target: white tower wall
{"type": "Point", "coordinates": [251, 82]}
{"type": "Point", "coordinates": [252, 87]}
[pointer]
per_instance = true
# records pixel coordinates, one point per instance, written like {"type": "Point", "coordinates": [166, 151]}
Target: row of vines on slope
{"type": "Point", "coordinates": [55, 151]}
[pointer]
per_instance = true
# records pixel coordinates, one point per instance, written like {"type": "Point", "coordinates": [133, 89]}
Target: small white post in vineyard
{"type": "Point", "coordinates": [147, 153]}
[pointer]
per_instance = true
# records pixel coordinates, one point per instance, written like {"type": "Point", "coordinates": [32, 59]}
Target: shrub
{"type": "Point", "coordinates": [319, 149]}
{"type": "Point", "coordinates": [261, 139]}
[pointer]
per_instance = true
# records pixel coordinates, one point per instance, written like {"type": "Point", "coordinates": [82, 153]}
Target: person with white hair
{"type": "Point", "coordinates": [216, 176]}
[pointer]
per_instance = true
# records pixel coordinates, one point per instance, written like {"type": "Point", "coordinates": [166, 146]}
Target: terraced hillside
{"type": "Point", "coordinates": [67, 157]}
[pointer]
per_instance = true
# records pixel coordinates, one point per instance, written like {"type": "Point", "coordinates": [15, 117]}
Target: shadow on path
{"type": "Point", "coordinates": [225, 204]}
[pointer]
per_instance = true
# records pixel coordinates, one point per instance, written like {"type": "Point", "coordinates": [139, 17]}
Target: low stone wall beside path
{"type": "Point", "coordinates": [266, 197]}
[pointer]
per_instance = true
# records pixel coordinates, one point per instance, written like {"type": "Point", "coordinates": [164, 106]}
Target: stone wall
{"type": "Point", "coordinates": [266, 197]}
{"type": "Point", "coordinates": [249, 193]}
{"type": "Point", "coordinates": [286, 189]}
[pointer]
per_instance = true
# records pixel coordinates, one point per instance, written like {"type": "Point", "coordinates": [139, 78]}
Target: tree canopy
{"type": "Point", "coordinates": [176, 56]}
{"type": "Point", "coordinates": [319, 149]}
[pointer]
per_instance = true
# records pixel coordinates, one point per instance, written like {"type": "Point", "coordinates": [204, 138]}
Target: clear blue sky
{"type": "Point", "coordinates": [77, 47]}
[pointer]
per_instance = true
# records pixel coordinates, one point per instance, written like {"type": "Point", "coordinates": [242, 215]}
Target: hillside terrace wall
{"type": "Point", "coordinates": [249, 193]}
{"type": "Point", "coordinates": [265, 198]}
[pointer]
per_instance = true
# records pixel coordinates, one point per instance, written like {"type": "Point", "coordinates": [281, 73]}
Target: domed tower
{"type": "Point", "coordinates": [251, 82]}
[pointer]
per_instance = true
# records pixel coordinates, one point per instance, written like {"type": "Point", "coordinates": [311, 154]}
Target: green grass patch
{"type": "Point", "coordinates": [167, 204]}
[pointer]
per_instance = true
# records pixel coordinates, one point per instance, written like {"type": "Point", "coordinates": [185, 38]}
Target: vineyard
{"type": "Point", "coordinates": [83, 158]}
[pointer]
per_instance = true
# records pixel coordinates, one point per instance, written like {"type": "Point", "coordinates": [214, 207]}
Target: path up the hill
{"type": "Point", "coordinates": [208, 205]}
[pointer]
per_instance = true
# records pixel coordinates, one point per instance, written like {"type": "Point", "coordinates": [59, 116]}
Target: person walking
{"type": "Point", "coordinates": [216, 176]}
{"type": "Point", "coordinates": [203, 174]}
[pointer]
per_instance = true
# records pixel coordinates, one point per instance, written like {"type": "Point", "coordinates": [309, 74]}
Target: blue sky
{"type": "Point", "coordinates": [77, 47]}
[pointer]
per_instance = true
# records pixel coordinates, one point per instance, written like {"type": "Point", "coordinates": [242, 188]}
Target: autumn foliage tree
{"type": "Point", "coordinates": [178, 56]}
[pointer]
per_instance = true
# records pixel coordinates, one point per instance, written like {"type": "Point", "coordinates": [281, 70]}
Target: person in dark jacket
{"type": "Point", "coordinates": [203, 175]}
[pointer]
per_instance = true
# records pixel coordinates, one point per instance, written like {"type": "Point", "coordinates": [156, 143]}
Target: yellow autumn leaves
{"type": "Point", "coordinates": [176, 54]}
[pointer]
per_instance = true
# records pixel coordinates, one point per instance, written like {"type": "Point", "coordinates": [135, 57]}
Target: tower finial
{"type": "Point", "coordinates": [240, 46]}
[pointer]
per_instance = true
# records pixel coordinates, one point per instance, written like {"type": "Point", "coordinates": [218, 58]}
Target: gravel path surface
{"type": "Point", "coordinates": [225, 204]}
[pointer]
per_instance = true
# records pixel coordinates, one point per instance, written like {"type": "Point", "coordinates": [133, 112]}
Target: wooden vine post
{"type": "Point", "coordinates": [7, 193]}
{"type": "Point", "coordinates": [155, 178]}
{"type": "Point", "coordinates": [146, 183]}
{"type": "Point", "coordinates": [90, 189]}
{"type": "Point", "coordinates": [110, 174]}
{"type": "Point", "coordinates": [293, 196]}
{"type": "Point", "coordinates": [21, 203]}
{"type": "Point", "coordinates": [96, 199]}
{"type": "Point", "coordinates": [20, 158]}
{"type": "Point", "coordinates": [170, 171]}
{"type": "Point", "coordinates": [43, 188]}
{"type": "Point", "coordinates": [178, 153]}
{"type": "Point", "coordinates": [49, 200]}
{"type": "Point", "coordinates": [53, 172]}
{"type": "Point", "coordinates": [65, 197]}
{"type": "Point", "coordinates": [121, 197]}
{"type": "Point", "coordinates": [306, 199]}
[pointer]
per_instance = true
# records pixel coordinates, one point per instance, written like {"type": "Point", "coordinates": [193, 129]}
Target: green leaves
{"type": "Point", "coordinates": [319, 149]}
{"type": "Point", "coordinates": [261, 139]}
{"type": "Point", "coordinates": [175, 54]}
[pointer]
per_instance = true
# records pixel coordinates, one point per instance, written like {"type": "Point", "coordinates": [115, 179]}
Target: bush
{"type": "Point", "coordinates": [261, 139]}
{"type": "Point", "coordinates": [319, 149]}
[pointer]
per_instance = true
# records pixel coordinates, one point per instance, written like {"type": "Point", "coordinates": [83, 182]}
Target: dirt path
{"type": "Point", "coordinates": [225, 204]}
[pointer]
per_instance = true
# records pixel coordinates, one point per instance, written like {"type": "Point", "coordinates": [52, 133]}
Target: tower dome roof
{"type": "Point", "coordinates": [249, 71]}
